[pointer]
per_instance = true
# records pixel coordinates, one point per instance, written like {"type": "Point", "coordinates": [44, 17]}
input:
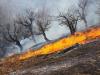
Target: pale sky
{"type": "Point", "coordinates": [18, 5]}
{"type": "Point", "coordinates": [15, 6]}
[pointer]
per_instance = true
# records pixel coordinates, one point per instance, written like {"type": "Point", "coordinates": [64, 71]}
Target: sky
{"type": "Point", "coordinates": [13, 7]}
{"type": "Point", "coordinates": [19, 5]}
{"type": "Point", "coordinates": [16, 6]}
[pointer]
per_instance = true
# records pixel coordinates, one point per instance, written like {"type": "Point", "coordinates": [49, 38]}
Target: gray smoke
{"type": "Point", "coordinates": [10, 8]}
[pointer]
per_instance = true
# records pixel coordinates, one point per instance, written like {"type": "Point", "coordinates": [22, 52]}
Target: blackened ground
{"type": "Point", "coordinates": [82, 60]}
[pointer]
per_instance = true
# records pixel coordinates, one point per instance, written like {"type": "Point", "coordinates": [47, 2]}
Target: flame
{"type": "Point", "coordinates": [79, 37]}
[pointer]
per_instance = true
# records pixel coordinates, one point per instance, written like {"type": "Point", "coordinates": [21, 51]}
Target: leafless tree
{"type": "Point", "coordinates": [43, 22]}
{"type": "Point", "coordinates": [13, 33]}
{"type": "Point", "coordinates": [69, 19]}
{"type": "Point", "coordinates": [83, 10]}
{"type": "Point", "coordinates": [27, 21]}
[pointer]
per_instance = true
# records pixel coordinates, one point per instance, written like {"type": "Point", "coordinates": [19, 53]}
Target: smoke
{"type": "Point", "coordinates": [13, 7]}
{"type": "Point", "coordinates": [13, 49]}
{"type": "Point", "coordinates": [10, 8]}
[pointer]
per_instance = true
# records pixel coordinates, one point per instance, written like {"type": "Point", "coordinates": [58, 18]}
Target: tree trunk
{"type": "Point", "coordinates": [30, 28]}
{"type": "Point", "coordinates": [19, 45]}
{"type": "Point", "coordinates": [45, 37]}
{"type": "Point", "coordinates": [72, 29]}
{"type": "Point", "coordinates": [43, 32]}
{"type": "Point", "coordinates": [85, 21]}
{"type": "Point", "coordinates": [33, 37]}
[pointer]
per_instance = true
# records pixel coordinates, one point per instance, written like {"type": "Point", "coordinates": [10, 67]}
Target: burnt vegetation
{"type": "Point", "coordinates": [76, 60]}
{"type": "Point", "coordinates": [84, 60]}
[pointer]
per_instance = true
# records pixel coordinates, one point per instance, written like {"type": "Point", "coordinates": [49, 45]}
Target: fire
{"type": "Point", "coordinates": [79, 37]}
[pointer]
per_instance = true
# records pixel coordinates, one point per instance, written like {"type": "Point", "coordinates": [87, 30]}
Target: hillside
{"type": "Point", "coordinates": [76, 54]}
{"type": "Point", "coordinates": [83, 60]}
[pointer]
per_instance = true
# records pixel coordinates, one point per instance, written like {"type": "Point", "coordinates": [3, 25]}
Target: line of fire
{"type": "Point", "coordinates": [83, 37]}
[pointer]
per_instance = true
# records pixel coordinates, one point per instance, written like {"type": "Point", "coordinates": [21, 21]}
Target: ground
{"type": "Point", "coordinates": [83, 60]}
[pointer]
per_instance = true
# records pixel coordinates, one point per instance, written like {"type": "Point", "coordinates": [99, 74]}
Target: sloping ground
{"type": "Point", "coordinates": [84, 60]}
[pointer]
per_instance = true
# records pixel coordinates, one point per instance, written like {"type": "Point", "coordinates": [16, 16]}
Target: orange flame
{"type": "Point", "coordinates": [79, 37]}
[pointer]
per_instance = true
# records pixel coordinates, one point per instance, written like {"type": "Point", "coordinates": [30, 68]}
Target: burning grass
{"type": "Point", "coordinates": [79, 37]}
{"type": "Point", "coordinates": [88, 52]}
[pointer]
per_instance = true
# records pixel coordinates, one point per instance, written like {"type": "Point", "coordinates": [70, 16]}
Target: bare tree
{"type": "Point", "coordinates": [27, 21]}
{"type": "Point", "coordinates": [13, 33]}
{"type": "Point", "coordinates": [43, 22]}
{"type": "Point", "coordinates": [83, 10]}
{"type": "Point", "coordinates": [69, 19]}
